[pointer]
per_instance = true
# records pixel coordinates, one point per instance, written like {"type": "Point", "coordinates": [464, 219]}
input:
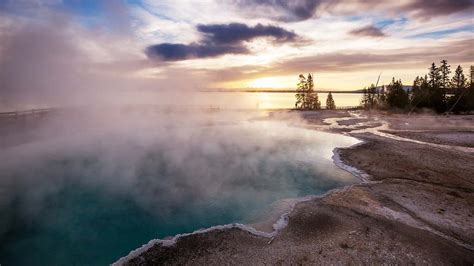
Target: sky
{"type": "Point", "coordinates": [63, 47]}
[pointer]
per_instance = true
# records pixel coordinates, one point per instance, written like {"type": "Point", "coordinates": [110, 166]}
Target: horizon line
{"type": "Point", "coordinates": [270, 90]}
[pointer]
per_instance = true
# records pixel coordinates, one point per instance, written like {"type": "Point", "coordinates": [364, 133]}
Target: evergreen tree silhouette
{"type": "Point", "coordinates": [309, 92]}
{"type": "Point", "coordinates": [460, 100]}
{"type": "Point", "coordinates": [372, 91]}
{"type": "Point", "coordinates": [397, 96]}
{"type": "Point", "coordinates": [444, 71]}
{"type": "Point", "coordinates": [312, 99]}
{"type": "Point", "coordinates": [330, 104]}
{"type": "Point", "coordinates": [458, 81]}
{"type": "Point", "coordinates": [370, 97]}
{"type": "Point", "coordinates": [437, 93]}
{"type": "Point", "coordinates": [470, 93]}
{"type": "Point", "coordinates": [420, 94]}
{"type": "Point", "coordinates": [301, 92]}
{"type": "Point", "coordinates": [434, 75]}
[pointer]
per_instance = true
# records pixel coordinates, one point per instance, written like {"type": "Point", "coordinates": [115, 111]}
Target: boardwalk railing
{"type": "Point", "coordinates": [32, 112]}
{"type": "Point", "coordinates": [354, 107]}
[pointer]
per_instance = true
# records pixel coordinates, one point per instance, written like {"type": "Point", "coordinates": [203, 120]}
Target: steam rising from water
{"type": "Point", "coordinates": [102, 189]}
{"type": "Point", "coordinates": [88, 185]}
{"type": "Point", "coordinates": [54, 61]}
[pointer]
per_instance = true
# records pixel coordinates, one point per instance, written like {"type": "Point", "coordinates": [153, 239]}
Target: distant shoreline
{"type": "Point", "coordinates": [275, 91]}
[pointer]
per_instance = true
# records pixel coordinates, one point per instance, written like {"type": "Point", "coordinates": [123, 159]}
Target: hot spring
{"type": "Point", "coordinates": [87, 192]}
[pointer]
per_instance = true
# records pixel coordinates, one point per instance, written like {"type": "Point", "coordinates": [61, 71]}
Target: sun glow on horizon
{"type": "Point", "coordinates": [270, 83]}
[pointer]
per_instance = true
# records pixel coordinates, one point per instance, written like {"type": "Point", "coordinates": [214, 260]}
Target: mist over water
{"type": "Point", "coordinates": [141, 146]}
{"type": "Point", "coordinates": [94, 180]}
{"type": "Point", "coordinates": [104, 185]}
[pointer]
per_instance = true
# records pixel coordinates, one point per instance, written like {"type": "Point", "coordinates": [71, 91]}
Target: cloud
{"type": "Point", "coordinates": [283, 10]}
{"type": "Point", "coordinates": [177, 51]}
{"type": "Point", "coordinates": [220, 39]}
{"type": "Point", "coordinates": [457, 52]}
{"type": "Point", "coordinates": [370, 31]}
{"type": "Point", "coordinates": [237, 32]}
{"type": "Point", "coordinates": [58, 63]}
{"type": "Point", "coordinates": [431, 8]}
{"type": "Point", "coordinates": [298, 10]}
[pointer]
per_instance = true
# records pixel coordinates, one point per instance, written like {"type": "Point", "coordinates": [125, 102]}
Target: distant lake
{"type": "Point", "coordinates": [266, 100]}
{"type": "Point", "coordinates": [224, 100]}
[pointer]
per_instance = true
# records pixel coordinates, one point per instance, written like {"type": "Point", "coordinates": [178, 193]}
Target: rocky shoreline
{"type": "Point", "coordinates": [416, 206]}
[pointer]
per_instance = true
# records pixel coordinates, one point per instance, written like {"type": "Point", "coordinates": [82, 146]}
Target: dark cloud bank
{"type": "Point", "coordinates": [220, 39]}
{"type": "Point", "coordinates": [282, 10]}
{"type": "Point", "coordinates": [298, 10]}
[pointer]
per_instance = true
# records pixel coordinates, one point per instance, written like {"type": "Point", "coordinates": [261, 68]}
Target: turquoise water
{"type": "Point", "coordinates": [90, 199]}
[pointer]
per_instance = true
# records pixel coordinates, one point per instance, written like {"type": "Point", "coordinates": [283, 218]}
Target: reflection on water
{"type": "Point", "coordinates": [287, 100]}
{"type": "Point", "coordinates": [89, 199]}
{"type": "Point", "coordinates": [223, 100]}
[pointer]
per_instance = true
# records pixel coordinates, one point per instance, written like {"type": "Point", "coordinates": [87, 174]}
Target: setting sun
{"type": "Point", "coordinates": [271, 83]}
{"type": "Point", "coordinates": [267, 82]}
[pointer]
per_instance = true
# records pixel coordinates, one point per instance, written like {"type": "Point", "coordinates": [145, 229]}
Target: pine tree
{"type": "Point", "coordinates": [372, 91]}
{"type": "Point", "coordinates": [420, 93]}
{"type": "Point", "coordinates": [371, 97]}
{"type": "Point", "coordinates": [434, 76]}
{"type": "Point", "coordinates": [425, 93]}
{"type": "Point", "coordinates": [309, 91]}
{"type": "Point", "coordinates": [437, 94]}
{"type": "Point", "coordinates": [470, 93]}
{"type": "Point", "coordinates": [415, 91]}
{"type": "Point", "coordinates": [397, 96]}
{"type": "Point", "coordinates": [457, 102]}
{"type": "Point", "coordinates": [444, 71]}
{"type": "Point", "coordinates": [381, 97]}
{"type": "Point", "coordinates": [330, 104]}
{"type": "Point", "coordinates": [472, 75]}
{"type": "Point", "coordinates": [312, 100]}
{"type": "Point", "coordinates": [301, 92]}
{"type": "Point", "coordinates": [459, 80]}
{"type": "Point", "coordinates": [306, 97]}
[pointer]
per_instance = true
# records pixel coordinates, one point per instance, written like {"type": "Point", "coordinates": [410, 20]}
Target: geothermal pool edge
{"type": "Point", "coordinates": [277, 226]}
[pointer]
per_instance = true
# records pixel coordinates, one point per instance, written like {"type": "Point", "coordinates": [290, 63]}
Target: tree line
{"type": "Point", "coordinates": [307, 98]}
{"type": "Point", "coordinates": [437, 90]}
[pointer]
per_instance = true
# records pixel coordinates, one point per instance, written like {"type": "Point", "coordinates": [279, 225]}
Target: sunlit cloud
{"type": "Point", "coordinates": [229, 44]}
